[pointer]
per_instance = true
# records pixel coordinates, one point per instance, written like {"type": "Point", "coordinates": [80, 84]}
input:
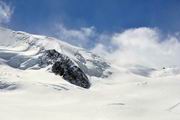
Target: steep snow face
{"type": "Point", "coordinates": [29, 91]}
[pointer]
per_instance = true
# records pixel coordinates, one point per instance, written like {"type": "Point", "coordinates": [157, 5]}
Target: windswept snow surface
{"type": "Point", "coordinates": [131, 92]}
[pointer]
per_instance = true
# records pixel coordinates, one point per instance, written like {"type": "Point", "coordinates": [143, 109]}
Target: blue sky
{"type": "Point", "coordinates": [41, 16]}
{"type": "Point", "coordinates": [105, 15]}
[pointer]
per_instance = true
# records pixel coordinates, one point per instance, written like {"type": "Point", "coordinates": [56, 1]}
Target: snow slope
{"type": "Point", "coordinates": [31, 92]}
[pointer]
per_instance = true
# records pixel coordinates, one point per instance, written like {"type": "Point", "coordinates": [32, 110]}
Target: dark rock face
{"type": "Point", "coordinates": [58, 68]}
{"type": "Point", "coordinates": [64, 66]}
{"type": "Point", "coordinates": [52, 56]}
{"type": "Point", "coordinates": [76, 76]}
{"type": "Point", "coordinates": [7, 86]}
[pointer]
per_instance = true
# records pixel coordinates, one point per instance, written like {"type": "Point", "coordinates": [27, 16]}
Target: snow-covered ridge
{"type": "Point", "coordinates": [22, 50]}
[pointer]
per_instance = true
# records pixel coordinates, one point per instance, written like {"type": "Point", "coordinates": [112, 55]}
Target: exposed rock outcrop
{"type": "Point", "coordinates": [62, 65]}
{"type": "Point", "coordinates": [7, 86]}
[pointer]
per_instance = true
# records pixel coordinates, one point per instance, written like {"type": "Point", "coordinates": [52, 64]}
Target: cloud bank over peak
{"type": "Point", "coordinates": [142, 46]}
{"type": "Point", "coordinates": [137, 46]}
{"type": "Point", "coordinates": [6, 12]}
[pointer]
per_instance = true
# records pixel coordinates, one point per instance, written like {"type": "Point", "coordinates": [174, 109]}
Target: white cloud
{"type": "Point", "coordinates": [79, 37]}
{"type": "Point", "coordinates": [138, 46]}
{"type": "Point", "coordinates": [5, 12]}
{"type": "Point", "coordinates": [101, 50]}
{"type": "Point", "coordinates": [143, 46]}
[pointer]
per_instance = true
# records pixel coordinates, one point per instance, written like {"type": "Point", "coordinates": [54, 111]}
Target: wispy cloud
{"type": "Point", "coordinates": [6, 12]}
{"type": "Point", "coordinates": [79, 37]}
{"type": "Point", "coordinates": [85, 37]}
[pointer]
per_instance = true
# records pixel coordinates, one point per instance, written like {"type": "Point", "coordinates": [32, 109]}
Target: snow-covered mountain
{"type": "Point", "coordinates": [24, 51]}
{"type": "Point", "coordinates": [29, 90]}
